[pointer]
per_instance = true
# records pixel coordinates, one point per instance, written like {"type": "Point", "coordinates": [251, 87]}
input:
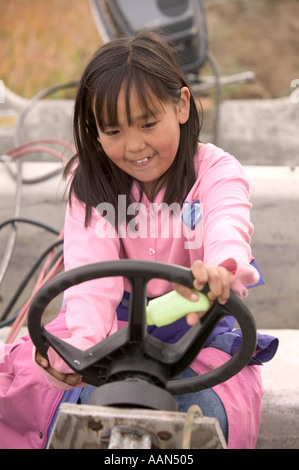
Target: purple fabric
{"type": "Point", "coordinates": [231, 341]}
{"type": "Point", "coordinates": [266, 347]}
{"type": "Point", "coordinates": [261, 280]}
{"type": "Point", "coordinates": [223, 337]}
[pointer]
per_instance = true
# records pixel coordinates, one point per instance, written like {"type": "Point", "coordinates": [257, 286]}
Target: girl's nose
{"type": "Point", "coordinates": [134, 142]}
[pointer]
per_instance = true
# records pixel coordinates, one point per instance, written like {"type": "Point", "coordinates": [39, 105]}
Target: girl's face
{"type": "Point", "coordinates": [145, 148]}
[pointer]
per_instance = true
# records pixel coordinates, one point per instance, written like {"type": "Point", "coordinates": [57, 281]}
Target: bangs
{"type": "Point", "coordinates": [145, 69]}
{"type": "Point", "coordinates": [150, 93]}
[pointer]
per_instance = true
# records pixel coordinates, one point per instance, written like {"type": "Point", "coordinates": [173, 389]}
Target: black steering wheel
{"type": "Point", "coordinates": [144, 365]}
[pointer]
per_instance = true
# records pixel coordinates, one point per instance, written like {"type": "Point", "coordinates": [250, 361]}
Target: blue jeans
{"type": "Point", "coordinates": [208, 401]}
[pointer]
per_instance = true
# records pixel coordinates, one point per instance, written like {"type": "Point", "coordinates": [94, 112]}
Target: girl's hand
{"type": "Point", "coordinates": [219, 280]}
{"type": "Point", "coordinates": [69, 379]}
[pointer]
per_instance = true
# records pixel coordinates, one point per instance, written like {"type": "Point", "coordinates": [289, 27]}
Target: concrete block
{"type": "Point", "coordinates": [23, 120]}
{"type": "Point", "coordinates": [279, 428]}
{"type": "Point", "coordinates": [261, 132]}
{"type": "Point", "coordinates": [275, 245]}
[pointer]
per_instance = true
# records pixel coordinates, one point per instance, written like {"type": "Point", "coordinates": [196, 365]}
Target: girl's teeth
{"type": "Point", "coordinates": [142, 161]}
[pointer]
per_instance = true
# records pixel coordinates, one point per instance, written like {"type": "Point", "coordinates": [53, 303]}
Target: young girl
{"type": "Point", "coordinates": [142, 187]}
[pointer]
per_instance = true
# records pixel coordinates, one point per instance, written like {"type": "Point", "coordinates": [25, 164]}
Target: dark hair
{"type": "Point", "coordinates": [146, 62]}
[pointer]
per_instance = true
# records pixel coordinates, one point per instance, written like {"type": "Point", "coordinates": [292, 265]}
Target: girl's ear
{"type": "Point", "coordinates": [183, 106]}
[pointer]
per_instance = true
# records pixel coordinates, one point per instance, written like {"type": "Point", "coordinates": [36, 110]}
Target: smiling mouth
{"type": "Point", "coordinates": [143, 161]}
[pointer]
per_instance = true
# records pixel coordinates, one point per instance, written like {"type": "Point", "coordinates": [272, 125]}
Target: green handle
{"type": "Point", "coordinates": [170, 307]}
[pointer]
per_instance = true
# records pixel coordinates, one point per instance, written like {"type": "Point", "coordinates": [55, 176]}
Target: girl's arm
{"type": "Point", "coordinates": [91, 306]}
{"type": "Point", "coordinates": [223, 191]}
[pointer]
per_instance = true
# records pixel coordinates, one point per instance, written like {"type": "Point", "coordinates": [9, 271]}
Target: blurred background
{"type": "Point", "coordinates": [45, 42]}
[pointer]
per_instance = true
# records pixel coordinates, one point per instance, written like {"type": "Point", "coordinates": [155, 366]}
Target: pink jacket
{"type": "Point", "coordinates": [214, 226]}
{"type": "Point", "coordinates": [222, 237]}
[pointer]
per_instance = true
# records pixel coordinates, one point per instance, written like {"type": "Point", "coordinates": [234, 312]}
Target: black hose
{"type": "Point", "coordinates": [24, 283]}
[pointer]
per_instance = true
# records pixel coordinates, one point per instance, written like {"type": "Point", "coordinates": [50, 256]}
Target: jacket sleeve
{"type": "Point", "coordinates": [224, 195]}
{"type": "Point", "coordinates": [90, 306]}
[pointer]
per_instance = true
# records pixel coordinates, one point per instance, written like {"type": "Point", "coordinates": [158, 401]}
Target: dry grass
{"type": "Point", "coordinates": [46, 42]}
{"type": "Point", "coordinates": [258, 35]}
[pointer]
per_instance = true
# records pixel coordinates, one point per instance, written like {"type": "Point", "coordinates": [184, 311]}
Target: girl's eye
{"type": "Point", "coordinates": [111, 133]}
{"type": "Point", "coordinates": [148, 125]}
